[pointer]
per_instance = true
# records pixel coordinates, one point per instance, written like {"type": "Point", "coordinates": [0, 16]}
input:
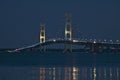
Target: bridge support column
{"type": "Point", "coordinates": [96, 48]}
{"type": "Point", "coordinates": [93, 47]}
{"type": "Point", "coordinates": [68, 33]}
{"type": "Point", "coordinates": [42, 37]}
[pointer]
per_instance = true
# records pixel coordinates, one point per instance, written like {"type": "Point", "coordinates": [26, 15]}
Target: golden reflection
{"type": "Point", "coordinates": [94, 72]}
{"type": "Point", "coordinates": [80, 73]}
{"type": "Point", "coordinates": [75, 73]}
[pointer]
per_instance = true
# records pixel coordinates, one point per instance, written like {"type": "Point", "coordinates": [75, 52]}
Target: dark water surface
{"type": "Point", "coordinates": [60, 73]}
{"type": "Point", "coordinates": [60, 67]}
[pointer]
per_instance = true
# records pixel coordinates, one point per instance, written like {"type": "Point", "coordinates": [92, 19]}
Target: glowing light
{"type": "Point", "coordinates": [9, 51]}
{"type": "Point", "coordinates": [75, 73]}
{"type": "Point", "coordinates": [75, 40]}
{"type": "Point", "coordinates": [54, 40]}
{"type": "Point", "coordinates": [94, 42]}
{"type": "Point", "coordinates": [94, 71]}
{"type": "Point", "coordinates": [74, 69]}
{"type": "Point", "coordinates": [105, 40]}
{"type": "Point", "coordinates": [110, 40]}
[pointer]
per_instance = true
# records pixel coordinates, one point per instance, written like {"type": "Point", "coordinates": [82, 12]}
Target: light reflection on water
{"type": "Point", "coordinates": [80, 73]}
{"type": "Point", "coordinates": [60, 73]}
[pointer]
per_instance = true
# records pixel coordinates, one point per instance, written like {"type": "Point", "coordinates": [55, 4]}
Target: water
{"type": "Point", "coordinates": [92, 71]}
{"type": "Point", "coordinates": [60, 73]}
{"type": "Point", "coordinates": [80, 73]}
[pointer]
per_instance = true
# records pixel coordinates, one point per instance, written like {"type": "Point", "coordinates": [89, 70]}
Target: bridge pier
{"type": "Point", "coordinates": [68, 33]}
{"type": "Point", "coordinates": [68, 48]}
{"type": "Point", "coordinates": [96, 47]}
{"type": "Point", "coordinates": [42, 48]}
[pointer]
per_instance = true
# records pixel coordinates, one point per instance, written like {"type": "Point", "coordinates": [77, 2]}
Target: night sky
{"type": "Point", "coordinates": [20, 20]}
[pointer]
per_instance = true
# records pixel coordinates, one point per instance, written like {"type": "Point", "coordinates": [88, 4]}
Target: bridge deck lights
{"type": "Point", "coordinates": [111, 40]}
{"type": "Point", "coordinates": [54, 40]}
{"type": "Point", "coordinates": [94, 42]}
{"type": "Point", "coordinates": [75, 40]}
{"type": "Point", "coordinates": [105, 40]}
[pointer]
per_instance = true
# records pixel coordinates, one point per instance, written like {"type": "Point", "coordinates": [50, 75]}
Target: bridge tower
{"type": "Point", "coordinates": [42, 36]}
{"type": "Point", "coordinates": [68, 32]}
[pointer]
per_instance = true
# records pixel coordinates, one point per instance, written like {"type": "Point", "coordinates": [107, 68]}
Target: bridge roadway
{"type": "Point", "coordinates": [92, 45]}
{"type": "Point", "coordinates": [78, 42]}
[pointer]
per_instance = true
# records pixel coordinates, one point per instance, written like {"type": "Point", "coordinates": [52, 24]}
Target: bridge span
{"type": "Point", "coordinates": [92, 46]}
{"type": "Point", "coordinates": [68, 41]}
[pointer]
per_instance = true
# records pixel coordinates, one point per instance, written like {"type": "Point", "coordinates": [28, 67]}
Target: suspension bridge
{"type": "Point", "coordinates": [69, 41]}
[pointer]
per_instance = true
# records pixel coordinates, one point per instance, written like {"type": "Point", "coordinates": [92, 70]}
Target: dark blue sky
{"type": "Point", "coordinates": [20, 19]}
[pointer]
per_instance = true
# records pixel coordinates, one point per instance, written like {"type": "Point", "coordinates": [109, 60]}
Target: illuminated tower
{"type": "Point", "coordinates": [42, 36]}
{"type": "Point", "coordinates": [68, 32]}
{"type": "Point", "coordinates": [68, 27]}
